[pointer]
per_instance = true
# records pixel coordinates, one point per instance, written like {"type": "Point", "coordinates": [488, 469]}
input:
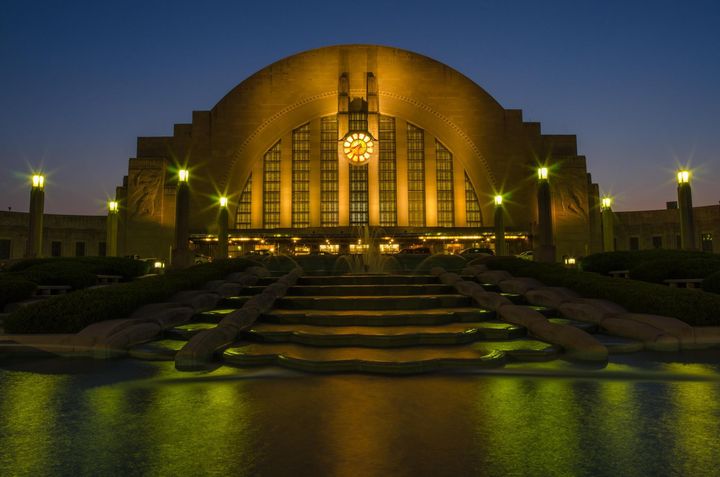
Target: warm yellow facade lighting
{"type": "Point", "coordinates": [112, 206]}
{"type": "Point", "coordinates": [683, 177]}
{"type": "Point", "coordinates": [543, 173]}
{"type": "Point", "coordinates": [38, 181]}
{"type": "Point", "coordinates": [183, 175]}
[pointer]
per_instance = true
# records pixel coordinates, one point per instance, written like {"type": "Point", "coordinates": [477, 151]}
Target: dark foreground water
{"type": "Point", "coordinates": [62, 417]}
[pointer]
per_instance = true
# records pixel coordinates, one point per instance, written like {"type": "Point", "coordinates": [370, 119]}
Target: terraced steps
{"type": "Point", "coordinates": [427, 317]}
{"type": "Point", "coordinates": [370, 290]}
{"type": "Point", "coordinates": [388, 302]}
{"type": "Point", "coordinates": [384, 336]}
{"type": "Point", "coordinates": [369, 279]}
{"type": "Point", "coordinates": [354, 359]}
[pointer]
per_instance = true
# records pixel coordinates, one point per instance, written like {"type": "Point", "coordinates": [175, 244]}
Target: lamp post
{"type": "Point", "coordinates": [35, 224]}
{"type": "Point", "coordinates": [181, 252]}
{"type": "Point", "coordinates": [500, 246]}
{"type": "Point", "coordinates": [546, 248]}
{"type": "Point", "coordinates": [222, 249]}
{"type": "Point", "coordinates": [111, 229]}
{"type": "Point", "coordinates": [687, 222]}
{"type": "Point", "coordinates": [608, 224]}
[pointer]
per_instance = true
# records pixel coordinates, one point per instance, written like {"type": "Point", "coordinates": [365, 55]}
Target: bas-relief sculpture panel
{"type": "Point", "coordinates": [145, 193]}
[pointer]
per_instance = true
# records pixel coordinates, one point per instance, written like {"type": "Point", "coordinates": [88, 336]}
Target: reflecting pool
{"type": "Point", "coordinates": [638, 416]}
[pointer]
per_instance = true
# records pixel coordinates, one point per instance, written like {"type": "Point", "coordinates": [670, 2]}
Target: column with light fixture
{"type": "Point", "coordinates": [500, 246]}
{"type": "Point", "coordinates": [222, 247]}
{"type": "Point", "coordinates": [181, 252]}
{"type": "Point", "coordinates": [546, 248]}
{"type": "Point", "coordinates": [608, 224]}
{"type": "Point", "coordinates": [111, 232]}
{"type": "Point", "coordinates": [35, 225]}
{"type": "Point", "coordinates": [685, 207]}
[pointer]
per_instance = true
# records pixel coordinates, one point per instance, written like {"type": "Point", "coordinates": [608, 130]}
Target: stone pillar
{"type": "Point", "coordinates": [35, 224]}
{"type": "Point", "coordinates": [608, 225]}
{"type": "Point", "coordinates": [222, 248]}
{"type": "Point", "coordinates": [685, 208]}
{"type": "Point", "coordinates": [181, 256]}
{"type": "Point", "coordinates": [111, 230]}
{"type": "Point", "coordinates": [500, 246]}
{"type": "Point", "coordinates": [546, 246]}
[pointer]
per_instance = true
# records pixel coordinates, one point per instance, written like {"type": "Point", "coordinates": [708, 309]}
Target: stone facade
{"type": "Point", "coordinates": [224, 147]}
{"type": "Point", "coordinates": [63, 235]}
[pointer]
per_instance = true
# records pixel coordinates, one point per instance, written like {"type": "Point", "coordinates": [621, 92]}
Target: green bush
{"type": "Point", "coordinates": [712, 283]}
{"type": "Point", "coordinates": [607, 261]}
{"type": "Point", "coordinates": [74, 311]}
{"type": "Point", "coordinates": [126, 267]}
{"type": "Point", "coordinates": [658, 270]}
{"type": "Point", "coordinates": [690, 306]}
{"type": "Point", "coordinates": [14, 289]}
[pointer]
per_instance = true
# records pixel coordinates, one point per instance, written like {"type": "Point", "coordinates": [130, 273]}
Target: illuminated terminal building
{"type": "Point", "coordinates": [318, 144]}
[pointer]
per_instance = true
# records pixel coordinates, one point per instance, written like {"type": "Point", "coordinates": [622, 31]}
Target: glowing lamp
{"type": "Point", "coordinates": [112, 206]}
{"type": "Point", "coordinates": [683, 177]}
{"type": "Point", "coordinates": [570, 261]}
{"type": "Point", "coordinates": [498, 200]}
{"type": "Point", "coordinates": [159, 265]}
{"type": "Point", "coordinates": [38, 181]}
{"type": "Point", "coordinates": [606, 203]}
{"type": "Point", "coordinates": [543, 173]}
{"type": "Point", "coordinates": [183, 175]}
{"type": "Point", "coordinates": [223, 201]}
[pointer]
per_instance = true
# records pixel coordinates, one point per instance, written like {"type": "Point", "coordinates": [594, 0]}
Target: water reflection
{"type": "Point", "coordinates": [131, 418]}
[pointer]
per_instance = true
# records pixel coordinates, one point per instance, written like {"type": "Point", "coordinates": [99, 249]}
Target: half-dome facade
{"type": "Point", "coordinates": [328, 140]}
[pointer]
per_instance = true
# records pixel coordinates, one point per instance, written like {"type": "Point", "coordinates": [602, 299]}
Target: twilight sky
{"type": "Point", "coordinates": [638, 82]}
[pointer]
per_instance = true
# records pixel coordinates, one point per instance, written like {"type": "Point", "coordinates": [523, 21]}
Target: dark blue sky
{"type": "Point", "coordinates": [637, 81]}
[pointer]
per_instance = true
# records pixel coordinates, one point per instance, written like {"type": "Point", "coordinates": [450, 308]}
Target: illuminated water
{"type": "Point", "coordinates": [62, 417]}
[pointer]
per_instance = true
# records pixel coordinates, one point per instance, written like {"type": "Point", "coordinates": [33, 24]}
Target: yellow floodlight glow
{"type": "Point", "coordinates": [498, 200]}
{"type": "Point", "coordinates": [543, 173]}
{"type": "Point", "coordinates": [223, 201]}
{"type": "Point", "coordinates": [683, 177]}
{"type": "Point", "coordinates": [183, 175]}
{"type": "Point", "coordinates": [159, 265]}
{"type": "Point", "coordinates": [606, 203]}
{"type": "Point", "coordinates": [570, 261]}
{"type": "Point", "coordinates": [38, 181]}
{"type": "Point", "coordinates": [112, 206]}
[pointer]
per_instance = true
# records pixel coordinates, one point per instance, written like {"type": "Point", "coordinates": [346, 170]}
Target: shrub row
{"type": "Point", "coordinates": [691, 306]}
{"type": "Point", "coordinates": [607, 261]}
{"type": "Point", "coordinates": [72, 312]}
{"type": "Point", "coordinates": [656, 271]}
{"type": "Point", "coordinates": [77, 273]}
{"type": "Point", "coordinates": [712, 283]}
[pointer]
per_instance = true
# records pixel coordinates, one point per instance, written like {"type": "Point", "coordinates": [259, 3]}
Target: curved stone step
{"type": "Point", "coordinates": [616, 344]}
{"type": "Point", "coordinates": [427, 317]}
{"type": "Point", "coordinates": [162, 350]}
{"type": "Point", "coordinates": [371, 290]}
{"type": "Point", "coordinates": [405, 302]}
{"type": "Point", "coordinates": [384, 336]}
{"type": "Point", "coordinates": [379, 279]}
{"type": "Point", "coordinates": [363, 360]}
{"type": "Point", "coordinates": [585, 326]}
{"type": "Point", "coordinates": [185, 332]}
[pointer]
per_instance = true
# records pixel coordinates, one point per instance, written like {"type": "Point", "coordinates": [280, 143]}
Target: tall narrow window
{"type": "Point", "coordinates": [416, 176]}
{"type": "Point", "coordinates": [357, 121]}
{"type": "Point", "coordinates": [387, 171]}
{"type": "Point", "coordinates": [445, 196]}
{"type": "Point", "coordinates": [473, 213]}
{"type": "Point", "coordinates": [359, 195]}
{"type": "Point", "coordinates": [329, 172]}
{"type": "Point", "coordinates": [244, 210]}
{"type": "Point", "coordinates": [301, 176]}
{"type": "Point", "coordinates": [271, 187]}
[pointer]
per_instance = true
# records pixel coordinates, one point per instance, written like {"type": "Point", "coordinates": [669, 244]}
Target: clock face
{"type": "Point", "coordinates": [358, 147]}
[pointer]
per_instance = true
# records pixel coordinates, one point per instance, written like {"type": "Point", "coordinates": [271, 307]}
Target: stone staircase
{"type": "Point", "coordinates": [390, 324]}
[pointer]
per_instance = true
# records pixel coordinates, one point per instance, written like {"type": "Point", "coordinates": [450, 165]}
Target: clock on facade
{"type": "Point", "coordinates": [358, 147]}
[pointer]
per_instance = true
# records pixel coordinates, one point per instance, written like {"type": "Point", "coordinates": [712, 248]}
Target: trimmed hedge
{"type": "Point", "coordinates": [658, 270]}
{"type": "Point", "coordinates": [712, 283]}
{"type": "Point", "coordinates": [607, 261]}
{"type": "Point", "coordinates": [691, 306]}
{"type": "Point", "coordinates": [78, 273]}
{"type": "Point", "coordinates": [72, 312]}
